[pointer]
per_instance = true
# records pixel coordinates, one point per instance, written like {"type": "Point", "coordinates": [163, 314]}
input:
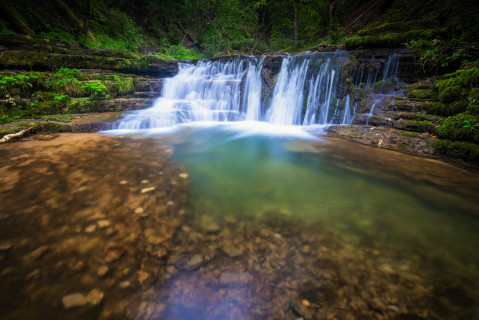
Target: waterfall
{"type": "Point", "coordinates": [252, 90]}
{"type": "Point", "coordinates": [308, 90]}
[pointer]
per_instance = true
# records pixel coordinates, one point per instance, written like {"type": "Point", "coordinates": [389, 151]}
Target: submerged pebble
{"type": "Point", "coordinates": [102, 271]}
{"type": "Point", "coordinates": [113, 253]}
{"type": "Point", "coordinates": [91, 228]}
{"type": "Point", "coordinates": [74, 300]}
{"type": "Point", "coordinates": [146, 190]}
{"type": "Point", "coordinates": [95, 297]}
{"type": "Point", "coordinates": [5, 247]}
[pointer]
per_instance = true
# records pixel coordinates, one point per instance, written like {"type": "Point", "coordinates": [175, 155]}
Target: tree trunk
{"type": "Point", "coordinates": [295, 25]}
{"type": "Point", "coordinates": [89, 10]}
{"type": "Point", "coordinates": [330, 11]}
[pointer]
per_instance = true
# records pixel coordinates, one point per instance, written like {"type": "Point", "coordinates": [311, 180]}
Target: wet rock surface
{"type": "Point", "coordinates": [158, 259]}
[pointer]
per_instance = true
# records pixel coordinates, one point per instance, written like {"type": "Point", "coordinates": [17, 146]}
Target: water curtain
{"type": "Point", "coordinates": [308, 90]}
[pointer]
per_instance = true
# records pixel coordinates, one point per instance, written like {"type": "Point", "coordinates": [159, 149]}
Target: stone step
{"type": "Point", "coordinates": [399, 120]}
{"type": "Point", "coordinates": [405, 104]}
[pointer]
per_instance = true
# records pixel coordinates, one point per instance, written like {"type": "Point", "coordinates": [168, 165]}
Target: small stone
{"type": "Point", "coordinates": [38, 253]}
{"type": "Point", "coordinates": [139, 210]}
{"type": "Point", "coordinates": [142, 276]}
{"type": "Point", "coordinates": [113, 253]}
{"type": "Point", "coordinates": [97, 216]}
{"type": "Point", "coordinates": [102, 224]}
{"type": "Point", "coordinates": [123, 182]}
{"type": "Point", "coordinates": [145, 181]}
{"type": "Point", "coordinates": [195, 262]}
{"type": "Point", "coordinates": [170, 203]}
{"type": "Point", "coordinates": [265, 233]}
{"type": "Point", "coordinates": [124, 284]}
{"type": "Point", "coordinates": [146, 190]}
{"type": "Point", "coordinates": [5, 247]}
{"type": "Point", "coordinates": [91, 228]}
{"type": "Point", "coordinates": [183, 175]}
{"type": "Point", "coordinates": [35, 274]}
{"type": "Point", "coordinates": [387, 268]}
{"type": "Point", "coordinates": [306, 303]}
{"type": "Point", "coordinates": [155, 240]}
{"type": "Point", "coordinates": [232, 251]}
{"type": "Point", "coordinates": [162, 253]}
{"type": "Point", "coordinates": [306, 249]}
{"type": "Point", "coordinates": [79, 266]}
{"type": "Point", "coordinates": [102, 271]}
{"type": "Point", "coordinates": [74, 300]}
{"type": "Point", "coordinates": [95, 297]}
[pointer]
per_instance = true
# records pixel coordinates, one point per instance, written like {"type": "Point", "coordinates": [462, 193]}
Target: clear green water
{"type": "Point", "coordinates": [386, 208]}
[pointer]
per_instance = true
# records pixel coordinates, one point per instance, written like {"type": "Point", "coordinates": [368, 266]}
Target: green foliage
{"type": "Point", "coordinates": [66, 80]}
{"type": "Point", "coordinates": [22, 81]}
{"type": "Point", "coordinates": [96, 89]}
{"type": "Point", "coordinates": [178, 52]}
{"type": "Point", "coordinates": [336, 34]}
{"type": "Point", "coordinates": [60, 99]}
{"type": "Point", "coordinates": [60, 34]}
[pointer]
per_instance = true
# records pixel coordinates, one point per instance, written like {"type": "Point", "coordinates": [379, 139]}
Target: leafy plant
{"type": "Point", "coordinates": [96, 89]}
{"type": "Point", "coordinates": [469, 125]}
{"type": "Point", "coordinates": [66, 80]}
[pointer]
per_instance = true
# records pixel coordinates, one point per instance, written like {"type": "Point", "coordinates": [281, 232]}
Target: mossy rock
{"type": "Point", "coordinates": [462, 127]}
{"type": "Point", "coordinates": [446, 110]}
{"type": "Point", "coordinates": [450, 94]}
{"type": "Point", "coordinates": [47, 127]}
{"type": "Point", "coordinates": [421, 94]}
{"type": "Point", "coordinates": [458, 85]}
{"type": "Point", "coordinates": [420, 126]}
{"type": "Point", "coordinates": [458, 149]}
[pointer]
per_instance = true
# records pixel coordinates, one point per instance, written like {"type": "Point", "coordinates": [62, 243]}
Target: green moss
{"type": "Point", "coordinates": [458, 149]}
{"type": "Point", "coordinates": [421, 94]}
{"type": "Point", "coordinates": [458, 85]}
{"type": "Point", "coordinates": [42, 127]}
{"type": "Point", "coordinates": [410, 134]}
{"type": "Point", "coordinates": [446, 110]}
{"type": "Point", "coordinates": [455, 128]}
{"type": "Point", "coordinates": [473, 108]}
{"type": "Point", "coordinates": [420, 126]}
{"type": "Point", "coordinates": [450, 94]}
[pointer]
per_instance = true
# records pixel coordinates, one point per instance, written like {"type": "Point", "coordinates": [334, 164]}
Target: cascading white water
{"type": "Point", "coordinates": [287, 102]}
{"type": "Point", "coordinates": [252, 90]}
{"type": "Point", "coordinates": [207, 91]}
{"type": "Point", "coordinates": [306, 92]}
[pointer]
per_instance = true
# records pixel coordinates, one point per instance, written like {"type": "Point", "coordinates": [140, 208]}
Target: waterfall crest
{"type": "Point", "coordinates": [308, 90]}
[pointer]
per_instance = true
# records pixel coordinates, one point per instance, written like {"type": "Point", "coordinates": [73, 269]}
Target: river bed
{"type": "Point", "coordinates": [210, 222]}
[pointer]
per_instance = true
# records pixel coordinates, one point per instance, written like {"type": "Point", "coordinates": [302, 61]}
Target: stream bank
{"type": "Point", "coordinates": [413, 119]}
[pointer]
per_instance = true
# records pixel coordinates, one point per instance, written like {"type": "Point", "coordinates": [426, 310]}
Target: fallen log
{"type": "Point", "coordinates": [12, 136]}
